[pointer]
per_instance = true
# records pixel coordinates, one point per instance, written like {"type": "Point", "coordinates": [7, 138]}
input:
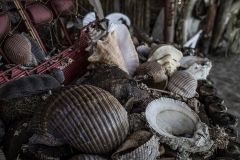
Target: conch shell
{"type": "Point", "coordinates": [108, 52]}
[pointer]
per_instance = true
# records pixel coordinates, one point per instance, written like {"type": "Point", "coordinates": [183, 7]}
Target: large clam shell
{"type": "Point", "coordinates": [18, 49]}
{"type": "Point", "coordinates": [5, 25]}
{"type": "Point", "coordinates": [87, 157]}
{"type": "Point", "coordinates": [183, 83]}
{"type": "Point", "coordinates": [171, 118]}
{"type": "Point", "coordinates": [140, 145]}
{"type": "Point", "coordinates": [83, 116]}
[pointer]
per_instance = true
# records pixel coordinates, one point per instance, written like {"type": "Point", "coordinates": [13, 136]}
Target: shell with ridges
{"type": "Point", "coordinates": [171, 118]}
{"type": "Point", "coordinates": [183, 83]}
{"type": "Point", "coordinates": [83, 116]}
{"type": "Point", "coordinates": [5, 24]}
{"type": "Point", "coordinates": [126, 47]}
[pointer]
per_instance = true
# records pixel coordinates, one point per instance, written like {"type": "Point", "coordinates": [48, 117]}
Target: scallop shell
{"type": "Point", "coordinates": [140, 145]}
{"type": "Point", "coordinates": [5, 26]}
{"type": "Point", "coordinates": [87, 157]}
{"type": "Point", "coordinates": [171, 118]}
{"type": "Point", "coordinates": [107, 52]}
{"type": "Point", "coordinates": [18, 50]}
{"type": "Point", "coordinates": [183, 83]}
{"type": "Point", "coordinates": [126, 47]}
{"type": "Point", "coordinates": [83, 116]}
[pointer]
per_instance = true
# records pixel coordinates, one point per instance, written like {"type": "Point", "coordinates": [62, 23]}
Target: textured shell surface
{"type": "Point", "coordinates": [107, 51]}
{"type": "Point", "coordinates": [172, 118]}
{"type": "Point", "coordinates": [26, 86]}
{"type": "Point", "coordinates": [126, 46]}
{"type": "Point", "coordinates": [87, 157]}
{"type": "Point", "coordinates": [139, 145]}
{"type": "Point", "coordinates": [64, 7]}
{"type": "Point", "coordinates": [116, 82]}
{"type": "Point", "coordinates": [137, 122]}
{"type": "Point", "coordinates": [199, 67]}
{"type": "Point", "coordinates": [5, 24]}
{"type": "Point", "coordinates": [18, 49]}
{"type": "Point", "coordinates": [153, 69]}
{"type": "Point", "coordinates": [83, 116]}
{"type": "Point", "coordinates": [183, 83]}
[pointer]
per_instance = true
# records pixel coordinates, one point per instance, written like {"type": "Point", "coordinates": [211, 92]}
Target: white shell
{"type": "Point", "coordinates": [126, 46]}
{"type": "Point", "coordinates": [168, 118]}
{"type": "Point", "coordinates": [200, 67]}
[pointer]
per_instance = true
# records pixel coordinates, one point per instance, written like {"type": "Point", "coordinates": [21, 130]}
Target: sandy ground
{"type": "Point", "coordinates": [225, 75]}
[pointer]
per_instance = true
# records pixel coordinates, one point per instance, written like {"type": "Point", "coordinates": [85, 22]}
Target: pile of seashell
{"type": "Point", "coordinates": [140, 102]}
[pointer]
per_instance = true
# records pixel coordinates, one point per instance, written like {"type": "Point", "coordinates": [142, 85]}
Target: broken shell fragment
{"type": "Point", "coordinates": [139, 145]}
{"type": "Point", "coordinates": [183, 83]}
{"type": "Point", "coordinates": [172, 118]}
{"type": "Point", "coordinates": [225, 120]}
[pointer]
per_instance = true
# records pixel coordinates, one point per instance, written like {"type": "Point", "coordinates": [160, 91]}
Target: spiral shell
{"type": "Point", "coordinates": [183, 83]}
{"type": "Point", "coordinates": [5, 24]}
{"type": "Point", "coordinates": [140, 145]}
{"type": "Point", "coordinates": [83, 116]}
{"type": "Point", "coordinates": [18, 50]}
{"type": "Point", "coordinates": [87, 157]}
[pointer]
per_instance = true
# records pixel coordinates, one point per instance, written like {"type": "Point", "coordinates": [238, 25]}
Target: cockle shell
{"type": "Point", "coordinates": [171, 118]}
{"type": "Point", "coordinates": [183, 83]}
{"type": "Point", "coordinates": [140, 145]}
{"type": "Point", "coordinates": [87, 157]}
{"type": "Point", "coordinates": [199, 67]}
{"type": "Point", "coordinates": [107, 52]}
{"type": "Point", "coordinates": [126, 46]}
{"type": "Point", "coordinates": [83, 116]}
{"type": "Point", "coordinates": [5, 25]}
{"type": "Point", "coordinates": [18, 49]}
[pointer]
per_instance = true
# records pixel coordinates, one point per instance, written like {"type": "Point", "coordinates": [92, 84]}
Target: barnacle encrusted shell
{"type": "Point", "coordinates": [83, 116]}
{"type": "Point", "coordinates": [152, 70]}
{"type": "Point", "coordinates": [18, 50]}
{"type": "Point", "coordinates": [140, 145]}
{"type": "Point", "coordinates": [107, 51]}
{"type": "Point", "coordinates": [183, 83]}
{"type": "Point", "coordinates": [87, 157]}
{"type": "Point", "coordinates": [5, 25]}
{"type": "Point", "coordinates": [171, 118]}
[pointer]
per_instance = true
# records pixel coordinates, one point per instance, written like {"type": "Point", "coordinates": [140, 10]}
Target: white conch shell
{"type": "Point", "coordinates": [107, 51]}
{"type": "Point", "coordinates": [126, 47]}
{"type": "Point", "coordinates": [200, 67]}
{"type": "Point", "coordinates": [169, 118]}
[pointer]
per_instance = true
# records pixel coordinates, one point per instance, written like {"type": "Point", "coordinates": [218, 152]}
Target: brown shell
{"type": "Point", "coordinates": [83, 116]}
{"type": "Point", "coordinates": [87, 157]}
{"type": "Point", "coordinates": [64, 7]}
{"type": "Point", "coordinates": [183, 83]}
{"type": "Point", "coordinates": [137, 122]}
{"type": "Point", "coordinates": [5, 25]}
{"type": "Point", "coordinates": [140, 145]}
{"type": "Point", "coordinates": [18, 49]}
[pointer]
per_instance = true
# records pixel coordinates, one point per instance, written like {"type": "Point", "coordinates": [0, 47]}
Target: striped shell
{"type": "Point", "coordinates": [5, 25]}
{"type": "Point", "coordinates": [87, 157]}
{"type": "Point", "coordinates": [83, 116]}
{"type": "Point", "coordinates": [140, 145]}
{"type": "Point", "coordinates": [18, 50]}
{"type": "Point", "coordinates": [183, 83]}
{"type": "Point", "coordinates": [153, 69]}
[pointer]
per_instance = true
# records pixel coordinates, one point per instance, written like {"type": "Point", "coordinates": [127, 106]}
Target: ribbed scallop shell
{"type": "Point", "coordinates": [18, 50]}
{"type": "Point", "coordinates": [87, 157]}
{"type": "Point", "coordinates": [140, 145]}
{"type": "Point", "coordinates": [183, 83]}
{"type": "Point", "coordinates": [5, 24]}
{"type": "Point", "coordinates": [153, 70]}
{"type": "Point", "coordinates": [83, 116]}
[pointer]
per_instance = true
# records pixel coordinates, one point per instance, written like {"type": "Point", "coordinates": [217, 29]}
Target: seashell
{"type": "Point", "coordinates": [83, 116]}
{"type": "Point", "coordinates": [171, 118]}
{"type": "Point", "coordinates": [107, 52]}
{"type": "Point", "coordinates": [137, 122]}
{"type": "Point", "coordinates": [167, 55]}
{"type": "Point", "coordinates": [87, 157]}
{"type": "Point", "coordinates": [183, 83]}
{"type": "Point", "coordinates": [16, 136]}
{"type": "Point", "coordinates": [143, 52]}
{"type": "Point", "coordinates": [203, 116]}
{"type": "Point", "coordinates": [35, 49]}
{"type": "Point", "coordinates": [199, 67]}
{"type": "Point", "coordinates": [64, 7]}
{"type": "Point", "coordinates": [232, 133]}
{"type": "Point", "coordinates": [216, 108]}
{"type": "Point", "coordinates": [212, 99]}
{"type": "Point", "coordinates": [126, 46]}
{"type": "Point", "coordinates": [232, 151]}
{"type": "Point", "coordinates": [5, 26]}
{"type": "Point", "coordinates": [135, 41]}
{"type": "Point", "coordinates": [151, 70]}
{"type": "Point", "coordinates": [207, 90]}
{"type": "Point", "coordinates": [225, 120]}
{"type": "Point", "coordinates": [18, 50]}
{"type": "Point", "coordinates": [58, 75]}
{"type": "Point", "coordinates": [139, 145]}
{"type": "Point", "coordinates": [116, 82]}
{"type": "Point", "coordinates": [219, 137]}
{"type": "Point", "coordinates": [27, 86]}
{"type": "Point", "coordinates": [39, 14]}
